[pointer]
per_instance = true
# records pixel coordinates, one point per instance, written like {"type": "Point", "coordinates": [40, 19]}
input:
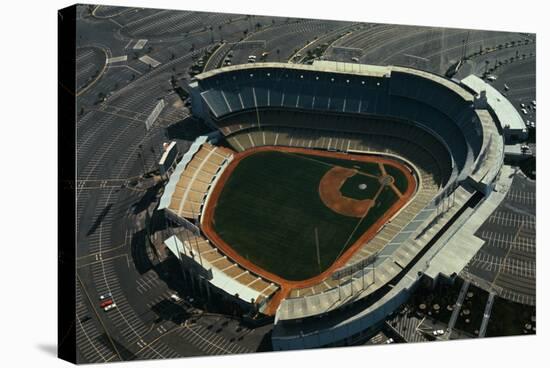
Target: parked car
{"type": "Point", "coordinates": [175, 298]}
{"type": "Point", "coordinates": [105, 296]}
{"type": "Point", "coordinates": [106, 303]}
{"type": "Point", "coordinates": [109, 307]}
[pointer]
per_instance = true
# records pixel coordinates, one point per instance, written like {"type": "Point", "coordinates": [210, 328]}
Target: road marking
{"type": "Point", "coordinates": [139, 44]}
{"type": "Point", "coordinates": [149, 61]}
{"type": "Point", "coordinates": [117, 59]}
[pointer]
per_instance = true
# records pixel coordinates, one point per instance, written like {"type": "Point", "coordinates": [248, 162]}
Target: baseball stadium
{"type": "Point", "coordinates": [329, 191]}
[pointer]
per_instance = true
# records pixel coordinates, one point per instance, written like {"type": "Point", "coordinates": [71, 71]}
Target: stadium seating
{"type": "Point", "coordinates": [422, 118]}
{"type": "Point", "coordinates": [334, 132]}
{"type": "Point", "coordinates": [204, 253]}
{"type": "Point", "coordinates": [194, 182]}
{"type": "Point", "coordinates": [416, 98]}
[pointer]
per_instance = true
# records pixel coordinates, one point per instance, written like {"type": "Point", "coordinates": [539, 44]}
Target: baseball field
{"type": "Point", "coordinates": [292, 214]}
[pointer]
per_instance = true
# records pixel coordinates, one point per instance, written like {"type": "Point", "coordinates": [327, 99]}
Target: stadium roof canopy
{"type": "Point", "coordinates": [219, 279]}
{"type": "Point", "coordinates": [170, 188]}
{"type": "Point", "coordinates": [503, 109]}
{"type": "Point", "coordinates": [344, 68]}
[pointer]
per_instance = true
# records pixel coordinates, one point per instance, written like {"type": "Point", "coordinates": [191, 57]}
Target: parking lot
{"type": "Point", "coordinates": [506, 264]}
{"type": "Point", "coordinates": [118, 91]}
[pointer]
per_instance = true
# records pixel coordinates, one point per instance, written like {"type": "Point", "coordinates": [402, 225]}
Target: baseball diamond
{"type": "Point", "coordinates": [270, 201]}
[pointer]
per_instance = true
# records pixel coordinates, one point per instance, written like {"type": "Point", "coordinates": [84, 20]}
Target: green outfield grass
{"type": "Point", "coordinates": [270, 207]}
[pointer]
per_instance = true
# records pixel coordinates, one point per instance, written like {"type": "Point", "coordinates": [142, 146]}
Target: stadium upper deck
{"type": "Point", "coordinates": [438, 105]}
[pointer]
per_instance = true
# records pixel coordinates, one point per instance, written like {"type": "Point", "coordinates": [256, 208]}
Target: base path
{"type": "Point", "coordinates": [332, 197]}
{"type": "Point", "coordinates": [288, 285]}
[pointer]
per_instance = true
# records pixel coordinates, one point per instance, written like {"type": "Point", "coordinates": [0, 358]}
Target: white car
{"type": "Point", "coordinates": [524, 111]}
{"type": "Point", "coordinates": [389, 341]}
{"type": "Point", "coordinates": [534, 103]}
{"type": "Point", "coordinates": [175, 298]}
{"type": "Point", "coordinates": [109, 307]}
{"type": "Point", "coordinates": [522, 105]}
{"type": "Point", "coordinates": [491, 78]}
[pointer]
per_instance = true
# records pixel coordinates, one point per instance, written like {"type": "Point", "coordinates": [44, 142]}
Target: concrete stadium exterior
{"type": "Point", "coordinates": [451, 132]}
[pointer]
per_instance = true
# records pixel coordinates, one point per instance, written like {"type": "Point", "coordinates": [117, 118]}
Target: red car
{"type": "Point", "coordinates": [106, 303]}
